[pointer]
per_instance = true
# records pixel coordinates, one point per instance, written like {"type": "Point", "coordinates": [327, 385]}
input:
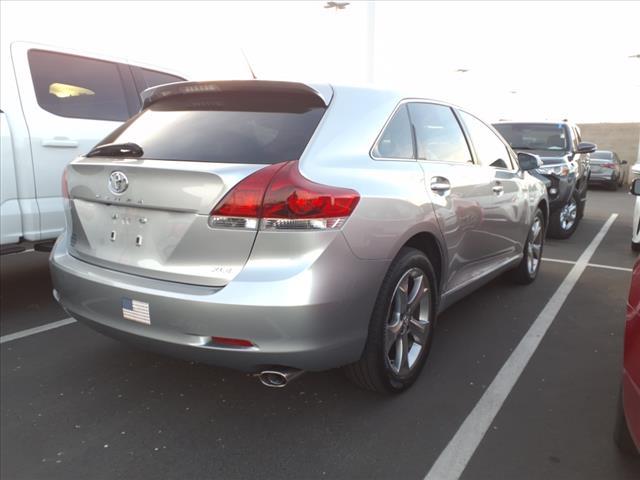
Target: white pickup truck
{"type": "Point", "coordinates": [56, 104]}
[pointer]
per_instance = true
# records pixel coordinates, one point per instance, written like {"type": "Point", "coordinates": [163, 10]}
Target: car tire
{"type": "Point", "coordinates": [613, 186]}
{"type": "Point", "coordinates": [527, 270]}
{"type": "Point", "coordinates": [392, 329]}
{"type": "Point", "coordinates": [621, 434]}
{"type": "Point", "coordinates": [635, 246]}
{"type": "Point", "coordinates": [564, 221]}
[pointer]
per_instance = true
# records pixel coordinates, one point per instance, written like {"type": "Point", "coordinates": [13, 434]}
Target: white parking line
{"type": "Point", "coordinates": [610, 267]}
{"type": "Point", "coordinates": [32, 331]}
{"type": "Point", "coordinates": [557, 260]}
{"type": "Point", "coordinates": [594, 265]}
{"type": "Point", "coordinates": [455, 457]}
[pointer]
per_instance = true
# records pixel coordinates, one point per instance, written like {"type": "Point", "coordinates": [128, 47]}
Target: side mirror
{"type": "Point", "coordinates": [528, 161]}
{"type": "Point", "coordinates": [586, 147]}
{"type": "Point", "coordinates": [635, 187]}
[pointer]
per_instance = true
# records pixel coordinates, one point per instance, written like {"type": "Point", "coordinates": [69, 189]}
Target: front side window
{"type": "Point", "coordinates": [490, 150]}
{"type": "Point", "coordinates": [396, 141]}
{"type": "Point", "coordinates": [78, 87]}
{"type": "Point", "coordinates": [438, 134]}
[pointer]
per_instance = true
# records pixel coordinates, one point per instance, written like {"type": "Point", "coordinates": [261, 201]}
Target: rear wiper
{"type": "Point", "coordinates": [116, 150]}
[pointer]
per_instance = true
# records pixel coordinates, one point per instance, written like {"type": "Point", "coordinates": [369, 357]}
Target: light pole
{"type": "Point", "coordinates": [336, 5]}
{"type": "Point", "coordinates": [370, 41]}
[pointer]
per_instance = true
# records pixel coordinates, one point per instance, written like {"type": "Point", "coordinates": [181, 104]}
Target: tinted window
{"type": "Point", "coordinates": [489, 148]}
{"type": "Point", "coordinates": [152, 78]}
{"type": "Point", "coordinates": [535, 136]}
{"type": "Point", "coordinates": [229, 128]}
{"type": "Point", "coordinates": [396, 141]}
{"type": "Point", "coordinates": [78, 87]}
{"type": "Point", "coordinates": [438, 134]}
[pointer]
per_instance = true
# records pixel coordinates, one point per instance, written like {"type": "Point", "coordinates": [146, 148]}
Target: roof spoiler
{"type": "Point", "coordinates": [152, 95]}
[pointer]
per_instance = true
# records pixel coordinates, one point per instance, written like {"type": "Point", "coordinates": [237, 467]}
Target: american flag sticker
{"type": "Point", "coordinates": [135, 310]}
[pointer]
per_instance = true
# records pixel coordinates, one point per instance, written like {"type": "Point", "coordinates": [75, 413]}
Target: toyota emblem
{"type": "Point", "coordinates": [118, 182]}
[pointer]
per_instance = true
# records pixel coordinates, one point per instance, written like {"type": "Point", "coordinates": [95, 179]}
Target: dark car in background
{"type": "Point", "coordinates": [565, 160]}
{"type": "Point", "coordinates": [607, 169]}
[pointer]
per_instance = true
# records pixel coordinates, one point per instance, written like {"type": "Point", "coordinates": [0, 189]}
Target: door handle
{"type": "Point", "coordinates": [440, 184]}
{"type": "Point", "coordinates": [59, 142]}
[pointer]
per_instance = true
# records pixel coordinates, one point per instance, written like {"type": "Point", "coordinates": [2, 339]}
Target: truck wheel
{"type": "Point", "coordinates": [564, 221]}
{"type": "Point", "coordinates": [401, 328]}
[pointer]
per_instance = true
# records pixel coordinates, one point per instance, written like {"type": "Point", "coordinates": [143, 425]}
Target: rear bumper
{"type": "Point", "coordinates": [313, 315]}
{"type": "Point", "coordinates": [604, 177]}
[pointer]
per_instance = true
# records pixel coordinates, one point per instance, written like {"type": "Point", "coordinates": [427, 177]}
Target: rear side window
{"type": "Point", "coordinates": [78, 87]}
{"type": "Point", "coordinates": [396, 141]}
{"type": "Point", "coordinates": [438, 134]}
{"type": "Point", "coordinates": [225, 128]}
{"type": "Point", "coordinates": [490, 150]}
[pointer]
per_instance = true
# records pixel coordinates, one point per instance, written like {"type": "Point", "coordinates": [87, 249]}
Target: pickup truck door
{"type": "Point", "coordinates": [11, 218]}
{"type": "Point", "coordinates": [69, 103]}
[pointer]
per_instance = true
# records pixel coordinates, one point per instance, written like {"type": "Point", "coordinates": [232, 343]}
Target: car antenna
{"type": "Point", "coordinates": [246, 59]}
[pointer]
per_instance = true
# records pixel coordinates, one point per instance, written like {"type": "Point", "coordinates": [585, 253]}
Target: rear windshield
{"type": "Point", "coordinates": [602, 155]}
{"type": "Point", "coordinates": [535, 136]}
{"type": "Point", "coordinates": [229, 128]}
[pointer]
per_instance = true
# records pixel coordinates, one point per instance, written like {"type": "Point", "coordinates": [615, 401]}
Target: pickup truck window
{"type": "Point", "coordinates": [78, 87]}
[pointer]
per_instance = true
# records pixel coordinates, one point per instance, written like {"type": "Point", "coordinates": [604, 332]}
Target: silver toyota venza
{"type": "Point", "coordinates": [278, 227]}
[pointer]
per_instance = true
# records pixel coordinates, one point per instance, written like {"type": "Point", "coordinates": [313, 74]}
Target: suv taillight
{"type": "Point", "coordinates": [278, 197]}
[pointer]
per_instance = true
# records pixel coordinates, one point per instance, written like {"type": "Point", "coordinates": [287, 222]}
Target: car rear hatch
{"type": "Point", "coordinates": [141, 204]}
{"type": "Point", "coordinates": [602, 165]}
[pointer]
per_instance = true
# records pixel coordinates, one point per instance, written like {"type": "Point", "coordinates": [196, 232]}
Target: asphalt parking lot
{"type": "Point", "coordinates": [76, 405]}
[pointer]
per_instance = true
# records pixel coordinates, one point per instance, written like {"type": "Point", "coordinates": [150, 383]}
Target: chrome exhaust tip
{"type": "Point", "coordinates": [279, 378]}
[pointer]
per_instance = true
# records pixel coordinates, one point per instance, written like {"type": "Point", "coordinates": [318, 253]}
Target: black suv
{"type": "Point", "coordinates": [566, 167]}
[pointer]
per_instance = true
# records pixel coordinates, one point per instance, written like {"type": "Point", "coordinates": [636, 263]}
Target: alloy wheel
{"type": "Point", "coordinates": [534, 246]}
{"type": "Point", "coordinates": [408, 324]}
{"type": "Point", "coordinates": [568, 214]}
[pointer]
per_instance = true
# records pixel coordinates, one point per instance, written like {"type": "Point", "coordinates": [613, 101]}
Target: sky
{"type": "Point", "coordinates": [522, 60]}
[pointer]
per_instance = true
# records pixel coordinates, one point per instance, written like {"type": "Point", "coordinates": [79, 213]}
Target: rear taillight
{"type": "Point", "coordinates": [278, 197]}
{"type": "Point", "coordinates": [242, 205]}
{"type": "Point", "coordinates": [65, 184]}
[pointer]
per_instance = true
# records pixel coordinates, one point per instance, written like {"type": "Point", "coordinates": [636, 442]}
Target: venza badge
{"type": "Point", "coordinates": [118, 182]}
